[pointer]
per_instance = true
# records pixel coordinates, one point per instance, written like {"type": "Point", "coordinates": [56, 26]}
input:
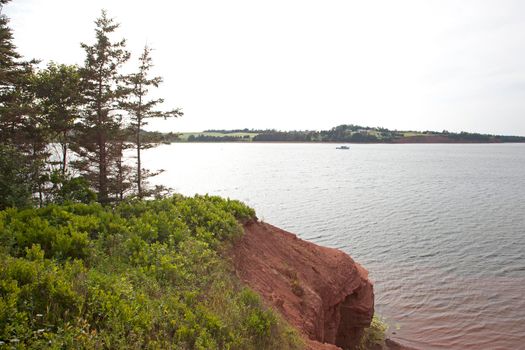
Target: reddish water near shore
{"type": "Point", "coordinates": [441, 228]}
{"type": "Point", "coordinates": [460, 313]}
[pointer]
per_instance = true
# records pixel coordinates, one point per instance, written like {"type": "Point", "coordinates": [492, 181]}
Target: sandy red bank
{"type": "Point", "coordinates": [321, 291]}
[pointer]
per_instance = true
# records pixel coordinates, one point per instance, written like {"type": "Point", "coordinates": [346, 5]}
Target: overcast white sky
{"type": "Point", "coordinates": [302, 64]}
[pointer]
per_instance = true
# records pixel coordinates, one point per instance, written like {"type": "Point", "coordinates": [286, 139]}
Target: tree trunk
{"type": "Point", "coordinates": [139, 171]}
{"type": "Point", "coordinates": [120, 175]}
{"type": "Point", "coordinates": [102, 173]}
{"type": "Point", "coordinates": [64, 154]}
{"type": "Point", "coordinates": [102, 155]}
{"type": "Point", "coordinates": [139, 125]}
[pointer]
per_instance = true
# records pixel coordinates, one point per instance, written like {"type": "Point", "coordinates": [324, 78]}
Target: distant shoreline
{"type": "Point", "coordinates": [352, 134]}
{"type": "Point", "coordinates": [354, 143]}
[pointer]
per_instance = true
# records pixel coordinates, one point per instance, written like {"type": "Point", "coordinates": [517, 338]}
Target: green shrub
{"type": "Point", "coordinates": [374, 335]}
{"type": "Point", "coordinates": [74, 190]}
{"type": "Point", "coordinates": [15, 178]}
{"type": "Point", "coordinates": [143, 274]}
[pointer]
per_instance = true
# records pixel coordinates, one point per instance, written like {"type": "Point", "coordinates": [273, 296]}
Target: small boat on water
{"type": "Point", "coordinates": [342, 147]}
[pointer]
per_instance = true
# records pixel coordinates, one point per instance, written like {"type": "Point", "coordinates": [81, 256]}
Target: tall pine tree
{"type": "Point", "coordinates": [22, 137]}
{"type": "Point", "coordinates": [15, 92]}
{"type": "Point", "coordinates": [141, 109]}
{"type": "Point", "coordinates": [101, 122]}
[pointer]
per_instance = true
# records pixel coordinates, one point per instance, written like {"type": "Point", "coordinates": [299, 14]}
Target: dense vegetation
{"type": "Point", "coordinates": [144, 274]}
{"type": "Point", "coordinates": [124, 273]}
{"type": "Point", "coordinates": [68, 125]}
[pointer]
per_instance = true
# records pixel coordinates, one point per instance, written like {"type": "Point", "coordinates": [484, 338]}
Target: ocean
{"type": "Point", "coordinates": [440, 227]}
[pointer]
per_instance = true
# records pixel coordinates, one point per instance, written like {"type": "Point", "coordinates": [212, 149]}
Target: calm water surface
{"type": "Point", "coordinates": [441, 228]}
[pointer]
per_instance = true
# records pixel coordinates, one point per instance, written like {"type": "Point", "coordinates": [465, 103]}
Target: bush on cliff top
{"type": "Point", "coordinates": [145, 274]}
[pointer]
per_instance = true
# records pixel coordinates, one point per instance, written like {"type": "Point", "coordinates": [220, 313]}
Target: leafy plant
{"type": "Point", "coordinates": [144, 274]}
{"type": "Point", "coordinates": [374, 335]}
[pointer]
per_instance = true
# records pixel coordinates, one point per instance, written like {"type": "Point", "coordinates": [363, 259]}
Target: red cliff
{"type": "Point", "coordinates": [321, 291]}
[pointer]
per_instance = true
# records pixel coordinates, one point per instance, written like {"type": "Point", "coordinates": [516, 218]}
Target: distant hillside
{"type": "Point", "coordinates": [341, 133]}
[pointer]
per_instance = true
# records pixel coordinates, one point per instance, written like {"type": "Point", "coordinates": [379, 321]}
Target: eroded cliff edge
{"type": "Point", "coordinates": [321, 291]}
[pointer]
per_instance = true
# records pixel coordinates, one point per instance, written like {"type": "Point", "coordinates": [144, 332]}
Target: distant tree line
{"type": "Point", "coordinates": [213, 138]}
{"type": "Point", "coordinates": [360, 134]}
{"type": "Point", "coordinates": [155, 137]}
{"type": "Point", "coordinates": [245, 130]}
{"type": "Point", "coordinates": [286, 136]}
{"type": "Point", "coordinates": [341, 133]}
{"type": "Point", "coordinates": [91, 114]}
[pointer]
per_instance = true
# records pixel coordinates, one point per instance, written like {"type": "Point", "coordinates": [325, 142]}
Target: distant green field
{"type": "Point", "coordinates": [184, 136]}
{"type": "Point", "coordinates": [413, 133]}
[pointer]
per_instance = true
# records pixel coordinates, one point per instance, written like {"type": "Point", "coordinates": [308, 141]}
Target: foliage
{"type": "Point", "coordinates": [141, 109]}
{"type": "Point", "coordinates": [15, 176]}
{"type": "Point", "coordinates": [58, 93]}
{"type": "Point", "coordinates": [374, 335]}
{"type": "Point", "coordinates": [286, 136]}
{"type": "Point", "coordinates": [100, 136]}
{"type": "Point", "coordinates": [21, 130]}
{"type": "Point", "coordinates": [144, 274]}
{"type": "Point", "coordinates": [89, 112]}
{"type": "Point", "coordinates": [70, 189]}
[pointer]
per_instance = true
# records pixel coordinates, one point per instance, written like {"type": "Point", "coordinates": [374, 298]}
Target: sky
{"type": "Point", "coordinates": [303, 64]}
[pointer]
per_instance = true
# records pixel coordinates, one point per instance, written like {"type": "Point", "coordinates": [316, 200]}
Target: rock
{"type": "Point", "coordinates": [321, 291]}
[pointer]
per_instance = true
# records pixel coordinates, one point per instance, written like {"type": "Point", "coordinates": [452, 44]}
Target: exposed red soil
{"type": "Point", "coordinates": [321, 291]}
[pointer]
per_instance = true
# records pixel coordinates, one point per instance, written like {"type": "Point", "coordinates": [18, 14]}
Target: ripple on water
{"type": "Point", "coordinates": [441, 228]}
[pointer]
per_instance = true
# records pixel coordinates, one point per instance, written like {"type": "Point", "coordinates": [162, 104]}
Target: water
{"type": "Point", "coordinates": [441, 228]}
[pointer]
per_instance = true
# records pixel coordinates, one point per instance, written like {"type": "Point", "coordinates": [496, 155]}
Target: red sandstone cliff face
{"type": "Point", "coordinates": [321, 291]}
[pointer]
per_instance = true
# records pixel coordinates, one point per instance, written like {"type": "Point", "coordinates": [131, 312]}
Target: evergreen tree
{"type": "Point", "coordinates": [120, 181]}
{"type": "Point", "coordinates": [141, 109]}
{"type": "Point", "coordinates": [9, 65]}
{"type": "Point", "coordinates": [15, 97]}
{"type": "Point", "coordinates": [58, 91]}
{"type": "Point", "coordinates": [15, 178]}
{"type": "Point", "coordinates": [102, 93]}
{"type": "Point", "coordinates": [22, 135]}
